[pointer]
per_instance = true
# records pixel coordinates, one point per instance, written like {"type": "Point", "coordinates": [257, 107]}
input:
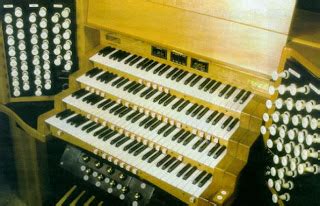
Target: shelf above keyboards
{"type": "Point", "coordinates": [198, 118]}
{"type": "Point", "coordinates": [184, 82]}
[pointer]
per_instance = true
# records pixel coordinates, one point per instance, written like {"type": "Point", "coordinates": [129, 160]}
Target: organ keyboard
{"type": "Point", "coordinates": [176, 115]}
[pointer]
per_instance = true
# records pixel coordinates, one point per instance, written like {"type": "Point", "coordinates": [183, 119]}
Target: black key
{"type": "Point", "coordinates": [211, 116]}
{"type": "Point", "coordinates": [226, 122]}
{"type": "Point", "coordinates": [132, 115]}
{"type": "Point", "coordinates": [73, 119]}
{"type": "Point", "coordinates": [163, 160]}
{"type": "Point", "coordinates": [121, 109]}
{"type": "Point", "coordinates": [136, 118]}
{"type": "Point", "coordinates": [168, 163]}
{"type": "Point", "coordinates": [215, 87]}
{"type": "Point", "coordinates": [148, 154]}
{"type": "Point", "coordinates": [189, 173]}
{"type": "Point", "coordinates": [64, 112]}
{"type": "Point", "coordinates": [169, 131]}
{"type": "Point", "coordinates": [93, 128]}
{"type": "Point", "coordinates": [245, 97]}
{"type": "Point", "coordinates": [204, 83]}
{"type": "Point", "coordinates": [123, 56]}
{"type": "Point", "coordinates": [125, 112]}
{"type": "Point", "coordinates": [191, 109]}
{"type": "Point", "coordinates": [103, 134]}
{"type": "Point", "coordinates": [174, 166]}
{"type": "Point", "coordinates": [196, 80]}
{"type": "Point", "coordinates": [130, 59]}
{"type": "Point", "coordinates": [141, 87]}
{"type": "Point", "coordinates": [204, 146]}
{"type": "Point", "coordinates": [135, 147]}
{"type": "Point", "coordinates": [135, 60]}
{"type": "Point", "coordinates": [183, 137]}
{"type": "Point", "coordinates": [181, 76]}
{"type": "Point", "coordinates": [183, 170]}
{"type": "Point", "coordinates": [144, 121]}
{"type": "Point", "coordinates": [233, 123]}
{"type": "Point", "coordinates": [96, 133]}
{"type": "Point", "coordinates": [230, 92]}
{"type": "Point", "coordinates": [171, 72]}
{"type": "Point", "coordinates": [144, 93]}
{"type": "Point", "coordinates": [79, 93]}
{"type": "Point", "coordinates": [122, 141]}
{"type": "Point", "coordinates": [164, 128]}
{"type": "Point", "coordinates": [142, 63]}
{"type": "Point", "coordinates": [147, 64]}
{"type": "Point", "coordinates": [115, 108]}
{"type": "Point", "coordinates": [205, 180]}
{"type": "Point", "coordinates": [151, 66]}
{"type": "Point", "coordinates": [224, 90]}
{"type": "Point", "coordinates": [107, 101]}
{"type": "Point", "coordinates": [239, 95]}
{"type": "Point", "coordinates": [178, 134]}
{"type": "Point", "coordinates": [114, 55]}
{"type": "Point", "coordinates": [159, 68]}
{"type": "Point", "coordinates": [196, 111]}
{"type": "Point", "coordinates": [197, 144]}
{"type": "Point", "coordinates": [105, 138]}
{"type": "Point", "coordinates": [217, 119]}
{"type": "Point", "coordinates": [151, 94]}
{"type": "Point", "coordinates": [155, 125]}
{"type": "Point", "coordinates": [129, 85]}
{"type": "Point", "coordinates": [109, 105]}
{"type": "Point", "coordinates": [190, 79]}
{"type": "Point", "coordinates": [189, 139]}
{"type": "Point", "coordinates": [169, 100]}
{"type": "Point", "coordinates": [141, 149]}
{"type": "Point", "coordinates": [157, 98]}
{"type": "Point", "coordinates": [118, 138]}
{"type": "Point", "coordinates": [213, 149]}
{"type": "Point", "coordinates": [122, 83]}
{"type": "Point", "coordinates": [131, 144]}
{"type": "Point", "coordinates": [181, 107]}
{"type": "Point", "coordinates": [131, 89]}
{"type": "Point", "coordinates": [211, 83]}
{"type": "Point", "coordinates": [199, 177]}
{"type": "Point", "coordinates": [67, 114]}
{"type": "Point", "coordinates": [163, 99]}
{"type": "Point", "coordinates": [154, 120]}
{"type": "Point", "coordinates": [219, 152]}
{"type": "Point", "coordinates": [163, 70]}
{"type": "Point", "coordinates": [202, 113]}
{"type": "Point", "coordinates": [177, 74]}
{"type": "Point", "coordinates": [175, 105]}
{"type": "Point", "coordinates": [88, 126]}
{"type": "Point", "coordinates": [93, 72]}
{"type": "Point", "coordinates": [114, 83]}
{"type": "Point", "coordinates": [155, 156]}
{"type": "Point", "coordinates": [81, 122]}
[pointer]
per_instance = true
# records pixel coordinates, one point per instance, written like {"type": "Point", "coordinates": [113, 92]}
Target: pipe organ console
{"type": "Point", "coordinates": [162, 102]}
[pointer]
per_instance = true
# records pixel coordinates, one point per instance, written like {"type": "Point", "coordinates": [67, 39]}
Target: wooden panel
{"type": "Point", "coordinates": [271, 15]}
{"type": "Point", "coordinates": [225, 41]}
{"type": "Point", "coordinates": [306, 29]}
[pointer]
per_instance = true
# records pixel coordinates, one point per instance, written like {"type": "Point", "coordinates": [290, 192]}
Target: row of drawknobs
{"type": "Point", "coordinates": [292, 124]}
{"type": "Point", "coordinates": [39, 46]}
